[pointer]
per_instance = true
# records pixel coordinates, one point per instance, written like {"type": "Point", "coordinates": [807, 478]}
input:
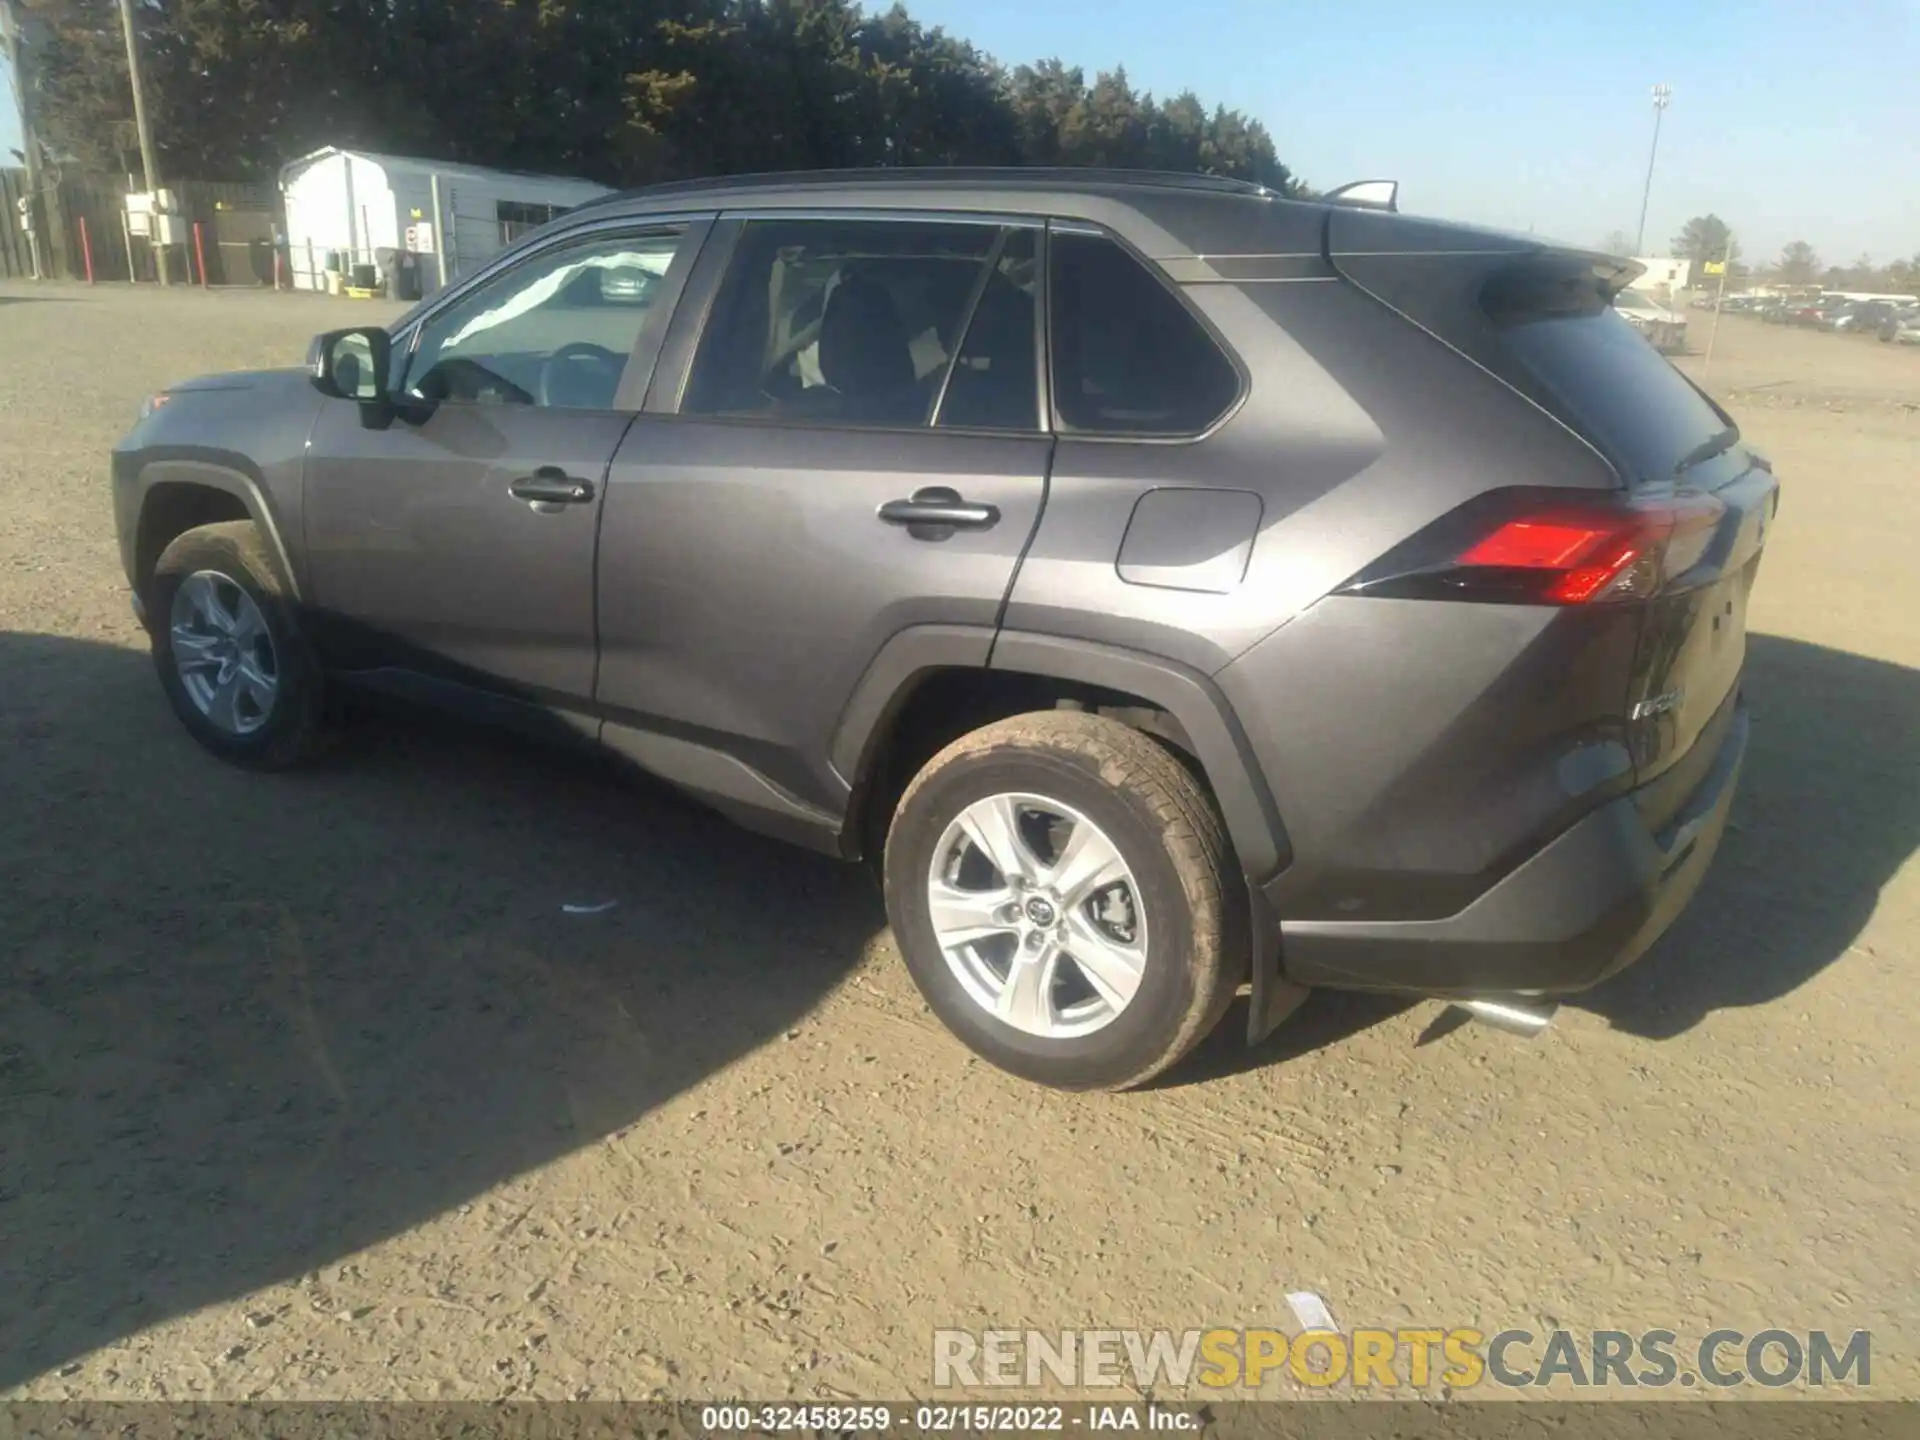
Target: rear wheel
{"type": "Point", "coordinates": [228, 651]}
{"type": "Point", "coordinates": [1058, 885]}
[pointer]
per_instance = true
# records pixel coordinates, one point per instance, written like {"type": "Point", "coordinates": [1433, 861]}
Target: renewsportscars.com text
{"type": "Point", "coordinates": [1457, 1359]}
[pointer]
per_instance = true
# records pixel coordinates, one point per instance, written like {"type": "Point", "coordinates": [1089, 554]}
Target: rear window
{"type": "Point", "coordinates": [1616, 389]}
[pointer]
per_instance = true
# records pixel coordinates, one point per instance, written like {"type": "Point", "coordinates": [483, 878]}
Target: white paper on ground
{"type": "Point", "coordinates": [1311, 1311]}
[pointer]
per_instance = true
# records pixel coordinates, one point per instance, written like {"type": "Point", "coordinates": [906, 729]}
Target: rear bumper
{"type": "Point", "coordinates": [1585, 905]}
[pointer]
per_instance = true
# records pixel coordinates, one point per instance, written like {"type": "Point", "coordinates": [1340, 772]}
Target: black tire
{"type": "Point", "coordinates": [235, 551]}
{"type": "Point", "coordinates": [1165, 828]}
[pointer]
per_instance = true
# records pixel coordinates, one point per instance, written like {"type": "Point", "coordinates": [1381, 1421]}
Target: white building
{"type": "Point", "coordinates": [1665, 277]}
{"type": "Point", "coordinates": [355, 203]}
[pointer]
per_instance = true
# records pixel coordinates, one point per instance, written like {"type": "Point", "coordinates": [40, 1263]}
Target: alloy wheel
{"type": "Point", "coordinates": [223, 652]}
{"type": "Point", "coordinates": [1037, 915]}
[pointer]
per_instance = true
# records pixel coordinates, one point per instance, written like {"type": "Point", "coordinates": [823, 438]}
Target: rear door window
{"type": "Point", "coordinates": [995, 384]}
{"type": "Point", "coordinates": [840, 322]}
{"type": "Point", "coordinates": [1128, 357]}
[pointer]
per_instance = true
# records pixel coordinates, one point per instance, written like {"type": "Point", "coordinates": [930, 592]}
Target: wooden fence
{"type": "Point", "coordinates": [82, 222]}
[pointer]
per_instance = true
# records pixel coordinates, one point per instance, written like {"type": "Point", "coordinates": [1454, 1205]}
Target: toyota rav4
{"type": "Point", "coordinates": [1173, 588]}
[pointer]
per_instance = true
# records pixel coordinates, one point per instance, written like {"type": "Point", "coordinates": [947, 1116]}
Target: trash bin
{"type": "Point", "coordinates": [403, 276]}
{"type": "Point", "coordinates": [365, 277]}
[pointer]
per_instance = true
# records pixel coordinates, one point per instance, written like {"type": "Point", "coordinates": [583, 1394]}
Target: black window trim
{"type": "Point", "coordinates": [1242, 377]}
{"type": "Point", "coordinates": [673, 370]}
{"type": "Point", "coordinates": [642, 360]}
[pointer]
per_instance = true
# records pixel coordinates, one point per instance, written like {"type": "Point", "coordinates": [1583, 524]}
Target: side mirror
{"type": "Point", "coordinates": [351, 364]}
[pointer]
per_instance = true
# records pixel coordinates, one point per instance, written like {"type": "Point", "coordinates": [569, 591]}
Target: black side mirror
{"type": "Point", "coordinates": [352, 364]}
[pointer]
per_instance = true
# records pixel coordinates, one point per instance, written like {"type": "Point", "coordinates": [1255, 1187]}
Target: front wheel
{"type": "Point", "coordinates": [1059, 887]}
{"type": "Point", "coordinates": [230, 655]}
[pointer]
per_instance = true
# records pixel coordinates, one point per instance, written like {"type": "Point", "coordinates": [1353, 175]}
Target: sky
{"type": "Point", "coordinates": [1790, 119]}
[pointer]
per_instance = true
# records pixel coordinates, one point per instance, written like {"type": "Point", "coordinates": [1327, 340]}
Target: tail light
{"type": "Point", "coordinates": [1513, 547]}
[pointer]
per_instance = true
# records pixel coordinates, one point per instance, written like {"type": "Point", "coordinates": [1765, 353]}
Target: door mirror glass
{"type": "Point", "coordinates": [351, 364]}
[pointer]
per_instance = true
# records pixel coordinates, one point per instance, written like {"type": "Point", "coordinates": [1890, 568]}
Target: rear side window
{"type": "Point", "coordinates": [1128, 357]}
{"type": "Point", "coordinates": [839, 322]}
{"type": "Point", "coordinates": [1617, 388]}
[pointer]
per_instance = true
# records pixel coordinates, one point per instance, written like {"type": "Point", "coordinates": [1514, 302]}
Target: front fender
{"type": "Point", "coordinates": [242, 436]}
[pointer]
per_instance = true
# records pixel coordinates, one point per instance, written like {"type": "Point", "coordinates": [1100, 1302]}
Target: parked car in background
{"type": "Point", "coordinates": [1664, 327]}
{"type": "Point", "coordinates": [1158, 625]}
{"type": "Point", "coordinates": [1864, 316]}
{"type": "Point", "coordinates": [1902, 327]}
{"type": "Point", "coordinates": [1826, 311]}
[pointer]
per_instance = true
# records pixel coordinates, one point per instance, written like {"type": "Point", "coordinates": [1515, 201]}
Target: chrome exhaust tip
{"type": "Point", "coordinates": [1523, 1017]}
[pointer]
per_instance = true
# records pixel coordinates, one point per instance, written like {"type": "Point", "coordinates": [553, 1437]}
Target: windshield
{"type": "Point", "coordinates": [1634, 300]}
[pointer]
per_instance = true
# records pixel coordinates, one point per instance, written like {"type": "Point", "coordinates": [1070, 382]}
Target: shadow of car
{"type": "Point", "coordinates": [252, 1026]}
{"type": "Point", "coordinates": [1828, 812]}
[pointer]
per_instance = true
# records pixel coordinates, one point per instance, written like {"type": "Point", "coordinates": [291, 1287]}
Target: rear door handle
{"type": "Point", "coordinates": [936, 512]}
{"type": "Point", "coordinates": [550, 485]}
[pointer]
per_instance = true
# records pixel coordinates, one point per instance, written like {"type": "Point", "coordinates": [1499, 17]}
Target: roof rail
{"type": "Point", "coordinates": [1063, 176]}
{"type": "Point", "coordinates": [1367, 195]}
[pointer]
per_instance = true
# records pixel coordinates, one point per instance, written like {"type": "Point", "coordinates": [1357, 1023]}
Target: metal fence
{"type": "Point", "coordinates": [83, 232]}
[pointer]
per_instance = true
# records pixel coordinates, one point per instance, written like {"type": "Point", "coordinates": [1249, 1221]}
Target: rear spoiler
{"type": "Point", "coordinates": [1616, 274]}
{"type": "Point", "coordinates": [1367, 195]}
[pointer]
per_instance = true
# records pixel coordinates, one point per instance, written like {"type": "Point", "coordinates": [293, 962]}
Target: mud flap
{"type": "Point", "coordinates": [1274, 997]}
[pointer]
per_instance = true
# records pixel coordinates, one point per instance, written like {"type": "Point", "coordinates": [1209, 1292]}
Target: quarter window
{"type": "Point", "coordinates": [858, 322]}
{"type": "Point", "coordinates": [1128, 356]}
{"type": "Point", "coordinates": [556, 331]}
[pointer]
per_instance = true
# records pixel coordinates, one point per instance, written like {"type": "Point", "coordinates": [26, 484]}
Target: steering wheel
{"type": "Point", "coordinates": [580, 376]}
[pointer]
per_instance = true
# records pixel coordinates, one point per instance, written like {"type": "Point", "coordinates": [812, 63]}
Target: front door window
{"type": "Point", "coordinates": [556, 331]}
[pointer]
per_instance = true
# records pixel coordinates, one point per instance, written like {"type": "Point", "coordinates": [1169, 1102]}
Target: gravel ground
{"type": "Point", "coordinates": [309, 1089]}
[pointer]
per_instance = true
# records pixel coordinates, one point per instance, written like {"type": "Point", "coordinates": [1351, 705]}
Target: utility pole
{"type": "Point", "coordinates": [1719, 303]}
{"type": "Point", "coordinates": [1662, 97]}
{"type": "Point", "coordinates": [29, 141]}
{"type": "Point", "coordinates": [150, 171]}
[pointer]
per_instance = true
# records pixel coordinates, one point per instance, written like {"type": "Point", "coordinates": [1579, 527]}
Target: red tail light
{"type": "Point", "coordinates": [1529, 548]}
{"type": "Point", "coordinates": [1574, 559]}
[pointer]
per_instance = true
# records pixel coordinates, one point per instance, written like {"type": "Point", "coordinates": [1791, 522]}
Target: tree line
{"type": "Point", "coordinates": [624, 92]}
{"type": "Point", "coordinates": [1707, 238]}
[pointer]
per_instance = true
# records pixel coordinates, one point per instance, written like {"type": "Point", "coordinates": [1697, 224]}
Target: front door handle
{"type": "Point", "coordinates": [936, 512]}
{"type": "Point", "coordinates": [550, 485]}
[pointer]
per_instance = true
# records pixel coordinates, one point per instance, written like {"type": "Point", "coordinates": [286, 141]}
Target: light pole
{"type": "Point", "coordinates": [1662, 97]}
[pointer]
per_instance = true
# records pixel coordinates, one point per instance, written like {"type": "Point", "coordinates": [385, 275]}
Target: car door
{"type": "Point", "coordinates": [456, 543]}
{"type": "Point", "coordinates": [843, 443]}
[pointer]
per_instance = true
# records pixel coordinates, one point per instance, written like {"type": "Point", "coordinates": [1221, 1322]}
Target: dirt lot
{"type": "Point", "coordinates": [309, 1089]}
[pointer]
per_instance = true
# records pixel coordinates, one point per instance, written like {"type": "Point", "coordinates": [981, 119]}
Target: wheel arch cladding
{"type": "Point", "coordinates": [176, 496]}
{"type": "Point", "coordinates": [1251, 818]}
{"type": "Point", "coordinates": [1197, 707]}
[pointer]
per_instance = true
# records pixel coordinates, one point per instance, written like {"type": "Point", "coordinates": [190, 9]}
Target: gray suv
{"type": "Point", "coordinates": [1175, 589]}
